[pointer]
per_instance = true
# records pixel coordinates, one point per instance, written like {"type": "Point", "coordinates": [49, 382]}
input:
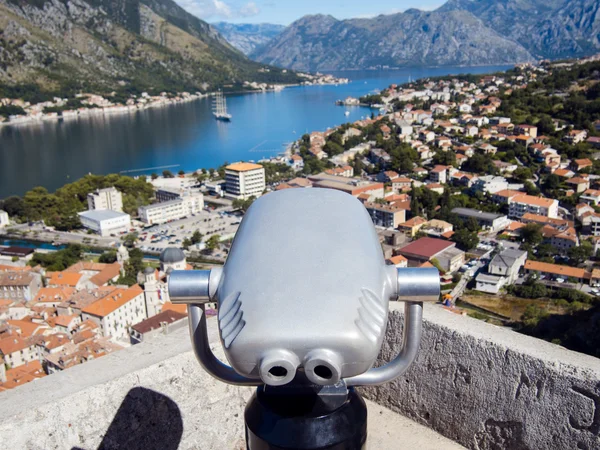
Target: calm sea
{"type": "Point", "coordinates": [185, 136]}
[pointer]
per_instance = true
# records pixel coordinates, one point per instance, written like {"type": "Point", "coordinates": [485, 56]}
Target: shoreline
{"type": "Point", "coordinates": [38, 118]}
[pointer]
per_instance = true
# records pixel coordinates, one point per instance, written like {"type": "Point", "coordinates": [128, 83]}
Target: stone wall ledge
{"type": "Point", "coordinates": [487, 387]}
{"type": "Point", "coordinates": [479, 385]}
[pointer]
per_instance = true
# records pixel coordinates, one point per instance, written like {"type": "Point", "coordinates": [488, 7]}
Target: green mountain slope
{"type": "Point", "coordinates": [111, 45]}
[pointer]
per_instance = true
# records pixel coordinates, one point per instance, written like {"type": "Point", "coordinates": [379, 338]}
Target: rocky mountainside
{"type": "Point", "coordinates": [412, 38]}
{"type": "Point", "coordinates": [546, 28]}
{"type": "Point", "coordinates": [104, 45]}
{"type": "Point", "coordinates": [248, 37]}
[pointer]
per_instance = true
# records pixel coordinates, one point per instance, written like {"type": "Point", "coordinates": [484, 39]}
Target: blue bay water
{"type": "Point", "coordinates": [186, 136]}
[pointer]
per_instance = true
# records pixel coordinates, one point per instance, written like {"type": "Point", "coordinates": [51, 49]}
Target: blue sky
{"type": "Point", "coordinates": [286, 11]}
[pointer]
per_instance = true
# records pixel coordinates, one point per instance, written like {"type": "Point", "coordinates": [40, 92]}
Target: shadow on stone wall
{"type": "Point", "coordinates": [145, 420]}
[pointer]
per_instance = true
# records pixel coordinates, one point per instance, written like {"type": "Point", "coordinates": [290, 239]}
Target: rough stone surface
{"type": "Point", "coordinates": [156, 396]}
{"type": "Point", "coordinates": [490, 388]}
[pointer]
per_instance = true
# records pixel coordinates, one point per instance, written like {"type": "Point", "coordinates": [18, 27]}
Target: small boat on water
{"type": "Point", "coordinates": [220, 108]}
{"type": "Point", "coordinates": [347, 113]}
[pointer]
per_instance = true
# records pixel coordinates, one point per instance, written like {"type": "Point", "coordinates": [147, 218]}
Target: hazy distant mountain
{"type": "Point", "coordinates": [248, 37]}
{"type": "Point", "coordinates": [546, 28]}
{"type": "Point", "coordinates": [82, 44]}
{"type": "Point", "coordinates": [459, 32]}
{"type": "Point", "coordinates": [411, 38]}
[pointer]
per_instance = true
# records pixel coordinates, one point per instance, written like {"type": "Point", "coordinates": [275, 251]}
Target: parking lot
{"type": "Point", "coordinates": [220, 222]}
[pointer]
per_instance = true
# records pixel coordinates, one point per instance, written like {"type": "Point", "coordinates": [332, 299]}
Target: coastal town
{"type": "Point", "coordinates": [456, 173]}
{"type": "Point", "coordinates": [16, 111]}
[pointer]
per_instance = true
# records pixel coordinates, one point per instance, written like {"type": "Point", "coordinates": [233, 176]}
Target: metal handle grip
{"type": "Point", "coordinates": [414, 286]}
{"type": "Point", "coordinates": [196, 288]}
{"type": "Point", "coordinates": [411, 339]}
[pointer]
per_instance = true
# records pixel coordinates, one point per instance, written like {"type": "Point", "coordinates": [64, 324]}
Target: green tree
{"type": "Point", "coordinates": [523, 174]}
{"type": "Point", "coordinates": [465, 240]}
{"type": "Point", "coordinates": [243, 205]}
{"type": "Point", "coordinates": [196, 237]}
{"type": "Point", "coordinates": [181, 173]}
{"type": "Point", "coordinates": [213, 242]}
{"type": "Point", "coordinates": [532, 234]}
{"type": "Point", "coordinates": [168, 174]}
{"type": "Point", "coordinates": [154, 176]}
{"type": "Point", "coordinates": [108, 257]}
{"type": "Point", "coordinates": [582, 253]}
{"type": "Point", "coordinates": [130, 240]}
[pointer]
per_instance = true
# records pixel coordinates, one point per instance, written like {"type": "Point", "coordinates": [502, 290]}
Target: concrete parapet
{"type": "Point", "coordinates": [487, 387]}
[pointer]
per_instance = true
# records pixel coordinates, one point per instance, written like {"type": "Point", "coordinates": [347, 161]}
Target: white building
{"type": "Point", "coordinates": [172, 210]}
{"type": "Point", "coordinates": [193, 200]}
{"type": "Point", "coordinates": [523, 204]}
{"type": "Point", "coordinates": [17, 351]}
{"type": "Point", "coordinates": [507, 264]}
{"type": "Point", "coordinates": [244, 180]}
{"type": "Point", "coordinates": [109, 198]}
{"type": "Point", "coordinates": [490, 284]}
{"type": "Point", "coordinates": [490, 184]}
{"type": "Point", "coordinates": [117, 312]}
{"type": "Point", "coordinates": [3, 219]}
{"type": "Point", "coordinates": [105, 222]}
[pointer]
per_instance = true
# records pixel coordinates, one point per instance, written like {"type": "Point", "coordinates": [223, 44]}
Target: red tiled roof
{"type": "Point", "coordinates": [426, 247]}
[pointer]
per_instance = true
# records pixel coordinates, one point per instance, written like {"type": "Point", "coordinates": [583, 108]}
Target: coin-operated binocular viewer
{"type": "Point", "coordinates": [302, 311]}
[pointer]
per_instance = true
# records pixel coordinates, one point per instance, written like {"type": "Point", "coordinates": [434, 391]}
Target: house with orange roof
{"type": "Point", "coordinates": [439, 174]}
{"type": "Point", "coordinates": [21, 375]}
{"type": "Point", "coordinates": [527, 130]}
{"type": "Point", "coordinates": [24, 327]}
{"type": "Point", "coordinates": [579, 184]}
{"type": "Point", "coordinates": [564, 173]}
{"type": "Point", "coordinates": [523, 204]}
{"type": "Point", "coordinates": [555, 270]}
{"type": "Point", "coordinates": [53, 343]}
{"type": "Point", "coordinates": [561, 239]}
{"type": "Point", "coordinates": [66, 280]}
{"type": "Point", "coordinates": [66, 324]}
{"type": "Point", "coordinates": [80, 353]}
{"type": "Point", "coordinates": [116, 312]}
{"type": "Point", "coordinates": [580, 164]}
{"type": "Point", "coordinates": [387, 216]}
{"type": "Point", "coordinates": [412, 227]}
{"type": "Point", "coordinates": [398, 261]}
{"type": "Point", "coordinates": [17, 350]}
{"type": "Point", "coordinates": [591, 197]}
{"type": "Point", "coordinates": [53, 296]}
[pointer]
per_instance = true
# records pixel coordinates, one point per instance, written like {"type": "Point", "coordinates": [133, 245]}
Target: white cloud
{"type": "Point", "coordinates": [217, 9]}
{"type": "Point", "coordinates": [249, 9]}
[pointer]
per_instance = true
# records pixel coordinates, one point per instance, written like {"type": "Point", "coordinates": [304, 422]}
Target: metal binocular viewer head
{"type": "Point", "coordinates": [304, 296]}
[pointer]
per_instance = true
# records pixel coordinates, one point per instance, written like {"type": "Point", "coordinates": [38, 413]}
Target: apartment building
{"type": "Point", "coordinates": [193, 200]}
{"type": "Point", "coordinates": [117, 312]}
{"type": "Point", "coordinates": [244, 180]}
{"type": "Point", "coordinates": [109, 198]}
{"type": "Point", "coordinates": [387, 216]}
{"type": "Point", "coordinates": [17, 350]}
{"type": "Point", "coordinates": [19, 285]}
{"type": "Point", "coordinates": [166, 212]}
{"type": "Point", "coordinates": [523, 204]}
{"type": "Point", "coordinates": [439, 174]}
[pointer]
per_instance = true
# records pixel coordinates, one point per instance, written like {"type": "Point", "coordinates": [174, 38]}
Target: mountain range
{"type": "Point", "coordinates": [110, 44]}
{"type": "Point", "coordinates": [460, 32]}
{"type": "Point", "coordinates": [248, 37]}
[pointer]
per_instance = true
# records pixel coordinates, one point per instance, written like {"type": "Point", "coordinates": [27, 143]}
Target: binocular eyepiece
{"type": "Point", "coordinates": [304, 296]}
